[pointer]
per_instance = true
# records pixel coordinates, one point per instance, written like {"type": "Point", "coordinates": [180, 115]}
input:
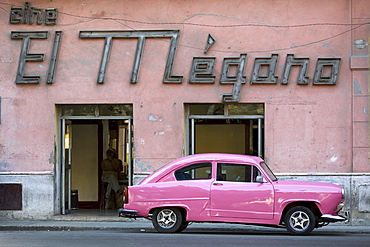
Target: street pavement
{"type": "Point", "coordinates": [143, 225]}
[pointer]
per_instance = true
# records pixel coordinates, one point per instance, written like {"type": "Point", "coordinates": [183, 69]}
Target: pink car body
{"type": "Point", "coordinates": [230, 188]}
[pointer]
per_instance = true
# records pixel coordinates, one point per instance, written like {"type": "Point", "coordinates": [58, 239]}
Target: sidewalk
{"type": "Point", "coordinates": [143, 225]}
{"type": "Point", "coordinates": [109, 220]}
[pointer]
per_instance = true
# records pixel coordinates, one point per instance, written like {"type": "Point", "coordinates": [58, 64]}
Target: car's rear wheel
{"type": "Point", "coordinates": [168, 220]}
{"type": "Point", "coordinates": [300, 220]}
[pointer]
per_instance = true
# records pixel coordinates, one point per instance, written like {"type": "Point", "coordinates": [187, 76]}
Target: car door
{"type": "Point", "coordinates": [236, 194]}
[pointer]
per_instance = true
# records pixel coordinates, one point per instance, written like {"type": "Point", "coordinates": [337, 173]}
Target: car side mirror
{"type": "Point", "coordinates": [260, 179]}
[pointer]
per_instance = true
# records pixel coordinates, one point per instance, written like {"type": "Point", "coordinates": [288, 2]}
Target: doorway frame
{"type": "Point", "coordinates": [190, 127]}
{"type": "Point", "coordinates": [61, 171]}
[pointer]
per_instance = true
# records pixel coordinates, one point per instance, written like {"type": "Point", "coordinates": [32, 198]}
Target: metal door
{"type": "Point", "coordinates": [66, 164]}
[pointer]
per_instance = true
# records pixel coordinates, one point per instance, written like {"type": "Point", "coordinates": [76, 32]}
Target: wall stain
{"type": "Point", "coordinates": [51, 158]}
{"type": "Point", "coordinates": [152, 118]}
{"type": "Point", "coordinates": [3, 166]}
{"type": "Point", "coordinates": [356, 86]}
{"type": "Point", "coordinates": [144, 166]}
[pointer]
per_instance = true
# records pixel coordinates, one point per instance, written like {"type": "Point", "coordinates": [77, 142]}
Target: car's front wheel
{"type": "Point", "coordinates": [168, 220]}
{"type": "Point", "coordinates": [300, 220]}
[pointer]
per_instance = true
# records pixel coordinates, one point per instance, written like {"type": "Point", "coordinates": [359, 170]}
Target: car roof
{"type": "Point", "coordinates": [205, 157]}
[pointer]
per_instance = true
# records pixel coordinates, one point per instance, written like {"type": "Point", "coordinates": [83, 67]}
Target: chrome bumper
{"type": "Point", "coordinates": [342, 215]}
{"type": "Point", "coordinates": [127, 213]}
{"type": "Point", "coordinates": [333, 218]}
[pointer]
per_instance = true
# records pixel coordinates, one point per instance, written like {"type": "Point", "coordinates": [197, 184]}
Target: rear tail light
{"type": "Point", "coordinates": [125, 195]}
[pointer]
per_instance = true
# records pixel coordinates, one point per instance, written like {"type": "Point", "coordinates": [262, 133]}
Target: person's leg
{"type": "Point", "coordinates": [107, 193]}
{"type": "Point", "coordinates": [112, 183]}
{"type": "Point", "coordinates": [105, 178]}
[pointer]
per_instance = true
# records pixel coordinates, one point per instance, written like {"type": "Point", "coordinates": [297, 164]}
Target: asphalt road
{"type": "Point", "coordinates": [145, 237]}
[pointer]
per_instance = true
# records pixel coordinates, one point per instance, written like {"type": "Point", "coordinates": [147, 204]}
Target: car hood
{"type": "Point", "coordinates": [306, 186]}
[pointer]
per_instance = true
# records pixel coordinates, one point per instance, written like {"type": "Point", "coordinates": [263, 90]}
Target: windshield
{"type": "Point", "coordinates": [267, 170]}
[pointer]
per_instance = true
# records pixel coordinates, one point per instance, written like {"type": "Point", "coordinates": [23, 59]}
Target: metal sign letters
{"type": "Point", "coordinates": [29, 15]}
{"type": "Point", "coordinates": [263, 72]}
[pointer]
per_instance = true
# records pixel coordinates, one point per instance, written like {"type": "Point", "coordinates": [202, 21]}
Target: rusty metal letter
{"type": "Point", "coordinates": [35, 12]}
{"type": "Point", "coordinates": [26, 57]}
{"type": "Point", "coordinates": [104, 59]}
{"type": "Point", "coordinates": [51, 16]}
{"type": "Point", "coordinates": [54, 57]}
{"type": "Point", "coordinates": [168, 77]}
{"type": "Point", "coordinates": [329, 63]}
{"type": "Point", "coordinates": [138, 55]}
{"type": "Point", "coordinates": [238, 79]}
{"type": "Point", "coordinates": [269, 77]}
{"type": "Point", "coordinates": [202, 70]}
{"type": "Point", "coordinates": [16, 15]}
{"type": "Point", "coordinates": [302, 79]}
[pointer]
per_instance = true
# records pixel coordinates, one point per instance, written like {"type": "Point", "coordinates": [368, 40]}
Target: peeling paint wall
{"type": "Point", "coordinates": [308, 128]}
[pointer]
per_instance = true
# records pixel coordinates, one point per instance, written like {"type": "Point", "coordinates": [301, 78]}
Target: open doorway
{"type": "Point", "coordinates": [84, 141]}
{"type": "Point", "coordinates": [226, 128]}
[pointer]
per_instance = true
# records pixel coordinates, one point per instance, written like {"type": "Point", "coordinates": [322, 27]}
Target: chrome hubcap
{"type": "Point", "coordinates": [166, 218]}
{"type": "Point", "coordinates": [299, 221]}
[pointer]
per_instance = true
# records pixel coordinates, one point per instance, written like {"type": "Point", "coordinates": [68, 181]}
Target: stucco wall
{"type": "Point", "coordinates": [308, 128]}
{"type": "Point", "coordinates": [318, 118]}
{"type": "Point", "coordinates": [37, 197]}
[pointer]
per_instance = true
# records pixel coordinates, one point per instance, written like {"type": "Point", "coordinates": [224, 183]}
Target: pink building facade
{"type": "Point", "coordinates": [158, 80]}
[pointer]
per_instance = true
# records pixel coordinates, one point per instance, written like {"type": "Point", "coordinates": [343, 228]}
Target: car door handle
{"type": "Point", "coordinates": [218, 184]}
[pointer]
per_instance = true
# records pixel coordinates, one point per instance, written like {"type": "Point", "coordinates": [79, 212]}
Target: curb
{"type": "Point", "coordinates": [146, 226]}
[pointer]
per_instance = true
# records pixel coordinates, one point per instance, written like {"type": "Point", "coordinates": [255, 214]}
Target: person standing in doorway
{"type": "Point", "coordinates": [111, 169]}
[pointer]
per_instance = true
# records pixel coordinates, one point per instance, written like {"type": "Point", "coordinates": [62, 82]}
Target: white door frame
{"type": "Point", "coordinates": [192, 118]}
{"type": "Point", "coordinates": [65, 173]}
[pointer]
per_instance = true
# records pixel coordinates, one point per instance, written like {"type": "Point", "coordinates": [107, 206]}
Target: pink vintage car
{"type": "Point", "coordinates": [230, 188]}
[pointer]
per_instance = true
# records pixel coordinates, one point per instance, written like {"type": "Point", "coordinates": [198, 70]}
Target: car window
{"type": "Point", "coordinates": [268, 171]}
{"type": "Point", "coordinates": [237, 172]}
{"type": "Point", "coordinates": [195, 172]}
{"type": "Point", "coordinates": [256, 173]}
